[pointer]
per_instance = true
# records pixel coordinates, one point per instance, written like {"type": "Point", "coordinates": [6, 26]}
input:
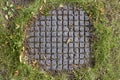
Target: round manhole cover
{"type": "Point", "coordinates": [60, 40]}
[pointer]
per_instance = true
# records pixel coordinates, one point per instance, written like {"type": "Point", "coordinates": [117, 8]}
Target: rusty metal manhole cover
{"type": "Point", "coordinates": [60, 40]}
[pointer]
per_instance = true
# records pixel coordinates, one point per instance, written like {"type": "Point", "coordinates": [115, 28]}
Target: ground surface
{"type": "Point", "coordinates": [61, 39]}
{"type": "Point", "coordinates": [105, 16]}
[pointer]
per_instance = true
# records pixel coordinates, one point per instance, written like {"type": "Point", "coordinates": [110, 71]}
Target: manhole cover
{"type": "Point", "coordinates": [60, 40]}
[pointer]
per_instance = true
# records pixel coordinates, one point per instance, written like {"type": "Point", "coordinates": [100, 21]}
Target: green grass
{"type": "Point", "coordinates": [105, 44]}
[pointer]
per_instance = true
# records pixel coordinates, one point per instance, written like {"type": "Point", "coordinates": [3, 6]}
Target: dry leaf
{"type": "Point", "coordinates": [44, 1]}
{"type": "Point", "coordinates": [41, 7]}
{"type": "Point", "coordinates": [61, 5]}
{"type": "Point", "coordinates": [68, 40]}
{"type": "Point", "coordinates": [74, 65]}
{"type": "Point", "coordinates": [18, 7]}
{"type": "Point", "coordinates": [25, 59]}
{"type": "Point", "coordinates": [17, 26]}
{"type": "Point", "coordinates": [102, 10]}
{"type": "Point", "coordinates": [34, 64]}
{"type": "Point", "coordinates": [20, 57]}
{"type": "Point", "coordinates": [6, 16]}
{"type": "Point", "coordinates": [23, 48]}
{"type": "Point", "coordinates": [16, 73]}
{"type": "Point", "coordinates": [44, 57]}
{"type": "Point", "coordinates": [70, 27]}
{"type": "Point", "coordinates": [23, 56]}
{"type": "Point", "coordinates": [32, 13]}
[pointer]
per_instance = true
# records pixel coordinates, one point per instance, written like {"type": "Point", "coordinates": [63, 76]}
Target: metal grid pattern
{"type": "Point", "coordinates": [60, 40]}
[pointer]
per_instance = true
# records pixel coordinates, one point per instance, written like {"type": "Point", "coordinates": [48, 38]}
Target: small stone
{"type": "Point", "coordinates": [65, 18]}
{"type": "Point", "coordinates": [48, 23]}
{"type": "Point", "coordinates": [54, 23]}
{"type": "Point", "coordinates": [81, 55]}
{"type": "Point", "coordinates": [36, 56]}
{"type": "Point", "coordinates": [59, 45]}
{"type": "Point", "coordinates": [65, 50]}
{"type": "Point", "coordinates": [76, 23]}
{"type": "Point", "coordinates": [59, 23]}
{"type": "Point", "coordinates": [81, 61]}
{"type": "Point", "coordinates": [54, 18]}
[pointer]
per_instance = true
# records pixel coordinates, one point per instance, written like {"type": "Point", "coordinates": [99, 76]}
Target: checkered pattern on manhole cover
{"type": "Point", "coordinates": [60, 40]}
